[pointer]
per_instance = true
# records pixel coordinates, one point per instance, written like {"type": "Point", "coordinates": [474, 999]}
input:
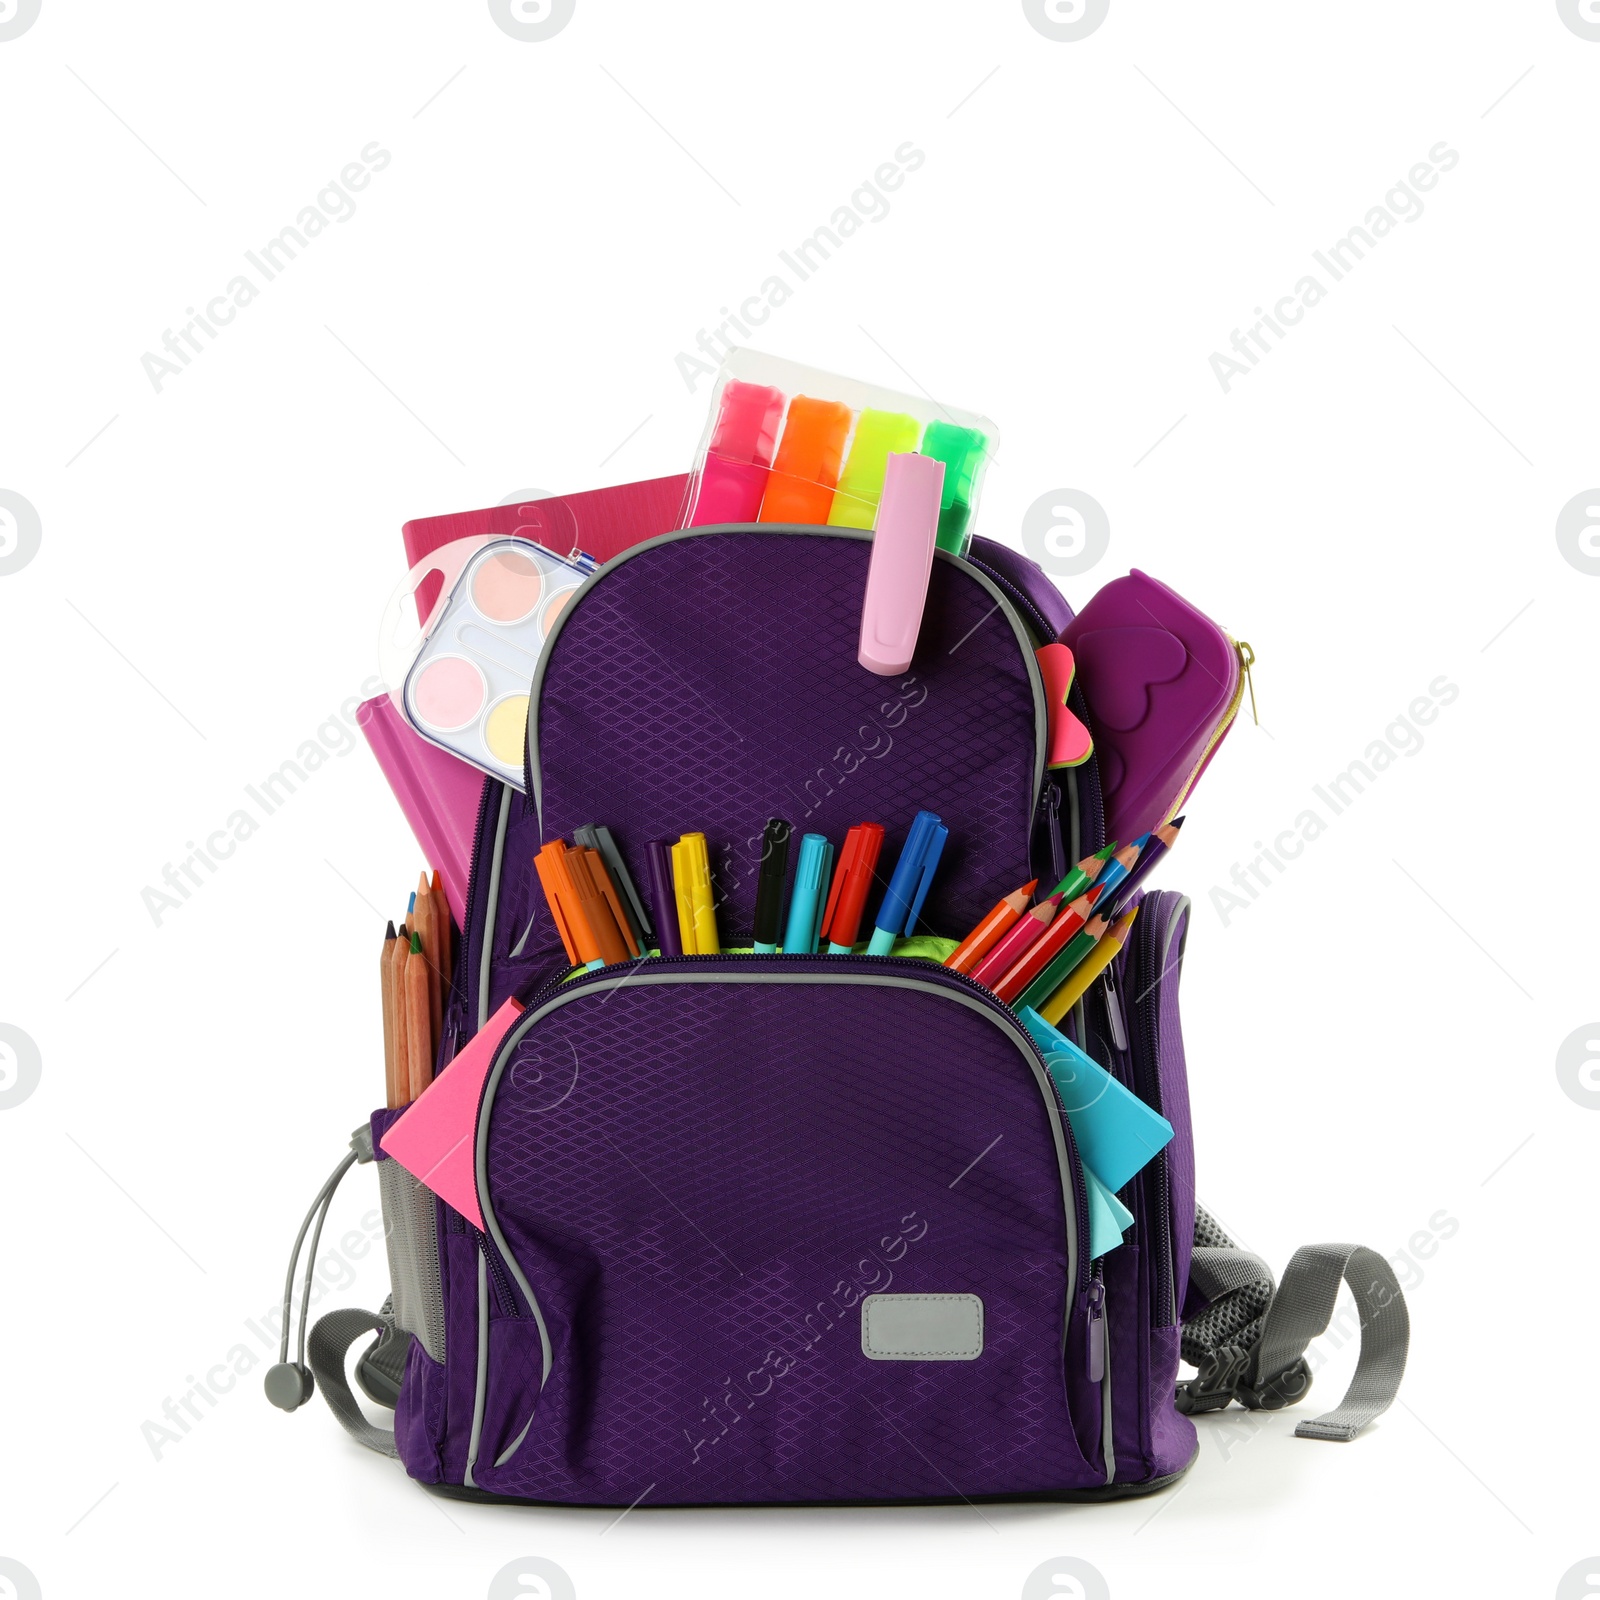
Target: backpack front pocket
{"type": "Point", "coordinates": [697, 1173]}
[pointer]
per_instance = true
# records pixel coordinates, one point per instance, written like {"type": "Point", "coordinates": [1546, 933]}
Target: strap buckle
{"type": "Point", "coordinates": [1214, 1384]}
{"type": "Point", "coordinates": [1285, 1388]}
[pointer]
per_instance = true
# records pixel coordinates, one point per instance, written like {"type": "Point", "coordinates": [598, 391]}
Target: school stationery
{"type": "Point", "coordinates": [609, 920]}
{"type": "Point", "coordinates": [683, 898]}
{"type": "Point", "coordinates": [828, 465]}
{"type": "Point", "coordinates": [550, 865]}
{"type": "Point", "coordinates": [395, 1094]}
{"type": "Point", "coordinates": [769, 890]}
{"type": "Point", "coordinates": [1084, 874]}
{"type": "Point", "coordinates": [1098, 959]}
{"type": "Point", "coordinates": [415, 988]}
{"type": "Point", "coordinates": [1163, 685]}
{"type": "Point", "coordinates": [1116, 1131]}
{"type": "Point", "coordinates": [963, 452]}
{"type": "Point", "coordinates": [1160, 841]}
{"type": "Point", "coordinates": [438, 793]}
{"type": "Point", "coordinates": [847, 895]}
{"type": "Point", "coordinates": [1048, 947]}
{"type": "Point", "coordinates": [878, 434]}
{"type": "Point", "coordinates": [908, 888]}
{"type": "Point", "coordinates": [902, 556]}
{"type": "Point", "coordinates": [464, 679]}
{"type": "Point", "coordinates": [663, 897]}
{"type": "Point", "coordinates": [984, 936]}
{"type": "Point", "coordinates": [434, 1140]}
{"type": "Point", "coordinates": [811, 875]}
{"type": "Point", "coordinates": [635, 920]}
{"type": "Point", "coordinates": [1028, 929]}
{"type": "Point", "coordinates": [734, 476]}
{"type": "Point", "coordinates": [1070, 742]}
{"type": "Point", "coordinates": [1052, 977]}
{"type": "Point", "coordinates": [702, 911]}
{"type": "Point", "coordinates": [1109, 1219]}
{"type": "Point", "coordinates": [424, 922]}
{"type": "Point", "coordinates": [1119, 866]}
{"type": "Point", "coordinates": [806, 467]}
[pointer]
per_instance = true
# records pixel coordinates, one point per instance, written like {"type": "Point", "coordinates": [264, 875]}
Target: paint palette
{"type": "Point", "coordinates": [466, 688]}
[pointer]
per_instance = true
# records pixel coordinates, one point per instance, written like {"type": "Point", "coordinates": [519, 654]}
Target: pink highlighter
{"type": "Point", "coordinates": [902, 558]}
{"type": "Point", "coordinates": [734, 476]}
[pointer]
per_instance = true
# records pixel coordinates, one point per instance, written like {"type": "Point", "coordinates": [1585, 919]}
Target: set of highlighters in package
{"type": "Point", "coordinates": [783, 444]}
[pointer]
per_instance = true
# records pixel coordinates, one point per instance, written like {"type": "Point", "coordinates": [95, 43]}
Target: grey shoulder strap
{"type": "Point", "coordinates": [1249, 1343]}
{"type": "Point", "coordinates": [331, 1341]}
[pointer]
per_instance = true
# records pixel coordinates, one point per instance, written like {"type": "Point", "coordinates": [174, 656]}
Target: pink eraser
{"type": "Point", "coordinates": [734, 476]}
{"type": "Point", "coordinates": [1070, 742]}
{"type": "Point", "coordinates": [903, 542]}
{"type": "Point", "coordinates": [436, 1141]}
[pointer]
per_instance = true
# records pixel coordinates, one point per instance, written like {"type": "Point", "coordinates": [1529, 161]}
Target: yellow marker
{"type": "Point", "coordinates": [855, 501]}
{"type": "Point", "coordinates": [1087, 970]}
{"type": "Point", "coordinates": [703, 915]}
{"type": "Point", "coordinates": [683, 896]}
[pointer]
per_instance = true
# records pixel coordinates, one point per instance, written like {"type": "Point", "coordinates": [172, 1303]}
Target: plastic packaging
{"type": "Point", "coordinates": [787, 443]}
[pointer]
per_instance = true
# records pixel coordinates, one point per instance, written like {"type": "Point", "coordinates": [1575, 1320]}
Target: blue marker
{"type": "Point", "coordinates": [908, 888]}
{"type": "Point", "coordinates": [811, 875]}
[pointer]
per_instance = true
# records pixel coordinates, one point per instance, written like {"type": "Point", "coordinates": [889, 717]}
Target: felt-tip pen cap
{"type": "Point", "coordinates": [769, 886]}
{"type": "Point", "coordinates": [908, 888]}
{"type": "Point", "coordinates": [810, 885]}
{"type": "Point", "coordinates": [847, 898]}
{"type": "Point", "coordinates": [902, 558]}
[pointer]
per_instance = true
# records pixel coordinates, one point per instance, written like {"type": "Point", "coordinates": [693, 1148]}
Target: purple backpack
{"type": "Point", "coordinates": [813, 1229]}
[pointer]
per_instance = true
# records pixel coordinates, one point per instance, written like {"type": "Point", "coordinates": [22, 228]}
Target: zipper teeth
{"type": "Point", "coordinates": [924, 969]}
{"type": "Point", "coordinates": [1217, 734]}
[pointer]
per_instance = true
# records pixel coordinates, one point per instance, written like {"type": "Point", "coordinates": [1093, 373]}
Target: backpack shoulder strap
{"type": "Point", "coordinates": [331, 1341]}
{"type": "Point", "coordinates": [1249, 1342]}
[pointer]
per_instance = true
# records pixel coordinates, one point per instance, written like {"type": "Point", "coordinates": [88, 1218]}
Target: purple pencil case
{"type": "Point", "coordinates": [1163, 684]}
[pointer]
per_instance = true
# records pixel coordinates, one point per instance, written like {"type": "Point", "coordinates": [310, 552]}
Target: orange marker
{"type": "Point", "coordinates": [989, 932]}
{"type": "Point", "coordinates": [594, 916]}
{"type": "Point", "coordinates": [807, 464]}
{"type": "Point", "coordinates": [596, 863]}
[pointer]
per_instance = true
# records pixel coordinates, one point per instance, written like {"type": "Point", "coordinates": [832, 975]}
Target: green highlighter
{"type": "Point", "coordinates": [963, 451]}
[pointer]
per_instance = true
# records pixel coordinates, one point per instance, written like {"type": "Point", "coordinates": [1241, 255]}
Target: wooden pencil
{"type": "Point", "coordinates": [391, 1072]}
{"type": "Point", "coordinates": [419, 1026]}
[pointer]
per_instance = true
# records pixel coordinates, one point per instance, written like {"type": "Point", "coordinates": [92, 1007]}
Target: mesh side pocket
{"type": "Point", "coordinates": [411, 1233]}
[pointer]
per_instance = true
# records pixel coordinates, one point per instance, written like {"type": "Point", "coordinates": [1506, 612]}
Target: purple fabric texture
{"type": "Point", "coordinates": [701, 1211]}
{"type": "Point", "coordinates": [712, 682]}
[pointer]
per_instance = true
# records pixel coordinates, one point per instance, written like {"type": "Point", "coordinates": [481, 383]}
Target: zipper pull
{"type": "Point", "coordinates": [1050, 809]}
{"type": "Point", "coordinates": [1119, 1028]}
{"type": "Point", "coordinates": [1097, 1327]}
{"type": "Point", "coordinates": [1247, 659]}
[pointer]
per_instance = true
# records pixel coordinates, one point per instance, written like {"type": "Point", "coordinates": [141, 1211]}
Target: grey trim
{"type": "Point", "coordinates": [1013, 1031]}
{"type": "Point", "coordinates": [492, 904]}
{"type": "Point", "coordinates": [411, 1239]}
{"type": "Point", "coordinates": [483, 1372]}
{"type": "Point", "coordinates": [1178, 912]}
{"type": "Point", "coordinates": [1108, 1427]}
{"type": "Point", "coordinates": [1041, 715]}
{"type": "Point", "coordinates": [922, 1327]}
{"type": "Point", "coordinates": [515, 1445]}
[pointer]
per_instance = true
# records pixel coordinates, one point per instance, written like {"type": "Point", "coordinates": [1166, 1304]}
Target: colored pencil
{"type": "Point", "coordinates": [1084, 874]}
{"type": "Point", "coordinates": [391, 1076]}
{"type": "Point", "coordinates": [990, 930]}
{"type": "Point", "coordinates": [423, 925]}
{"type": "Point", "coordinates": [447, 966]}
{"type": "Point", "coordinates": [1056, 973]}
{"type": "Point", "coordinates": [1039, 955]}
{"type": "Point", "coordinates": [1161, 841]}
{"type": "Point", "coordinates": [1087, 970]}
{"type": "Point", "coordinates": [1023, 934]}
{"type": "Point", "coordinates": [419, 1024]}
{"type": "Point", "coordinates": [402, 1042]}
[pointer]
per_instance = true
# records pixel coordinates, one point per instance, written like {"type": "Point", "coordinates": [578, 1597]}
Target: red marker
{"type": "Point", "coordinates": [847, 898]}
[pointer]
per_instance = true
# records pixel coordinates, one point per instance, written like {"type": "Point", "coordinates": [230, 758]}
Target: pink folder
{"type": "Point", "coordinates": [436, 1139]}
{"type": "Point", "coordinates": [439, 793]}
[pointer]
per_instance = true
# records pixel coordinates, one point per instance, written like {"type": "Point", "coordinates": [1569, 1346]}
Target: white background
{"type": "Point", "coordinates": [1372, 1042]}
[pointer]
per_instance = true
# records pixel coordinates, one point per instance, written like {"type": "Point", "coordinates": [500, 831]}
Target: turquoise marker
{"type": "Point", "coordinates": [908, 888]}
{"type": "Point", "coordinates": [811, 875]}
